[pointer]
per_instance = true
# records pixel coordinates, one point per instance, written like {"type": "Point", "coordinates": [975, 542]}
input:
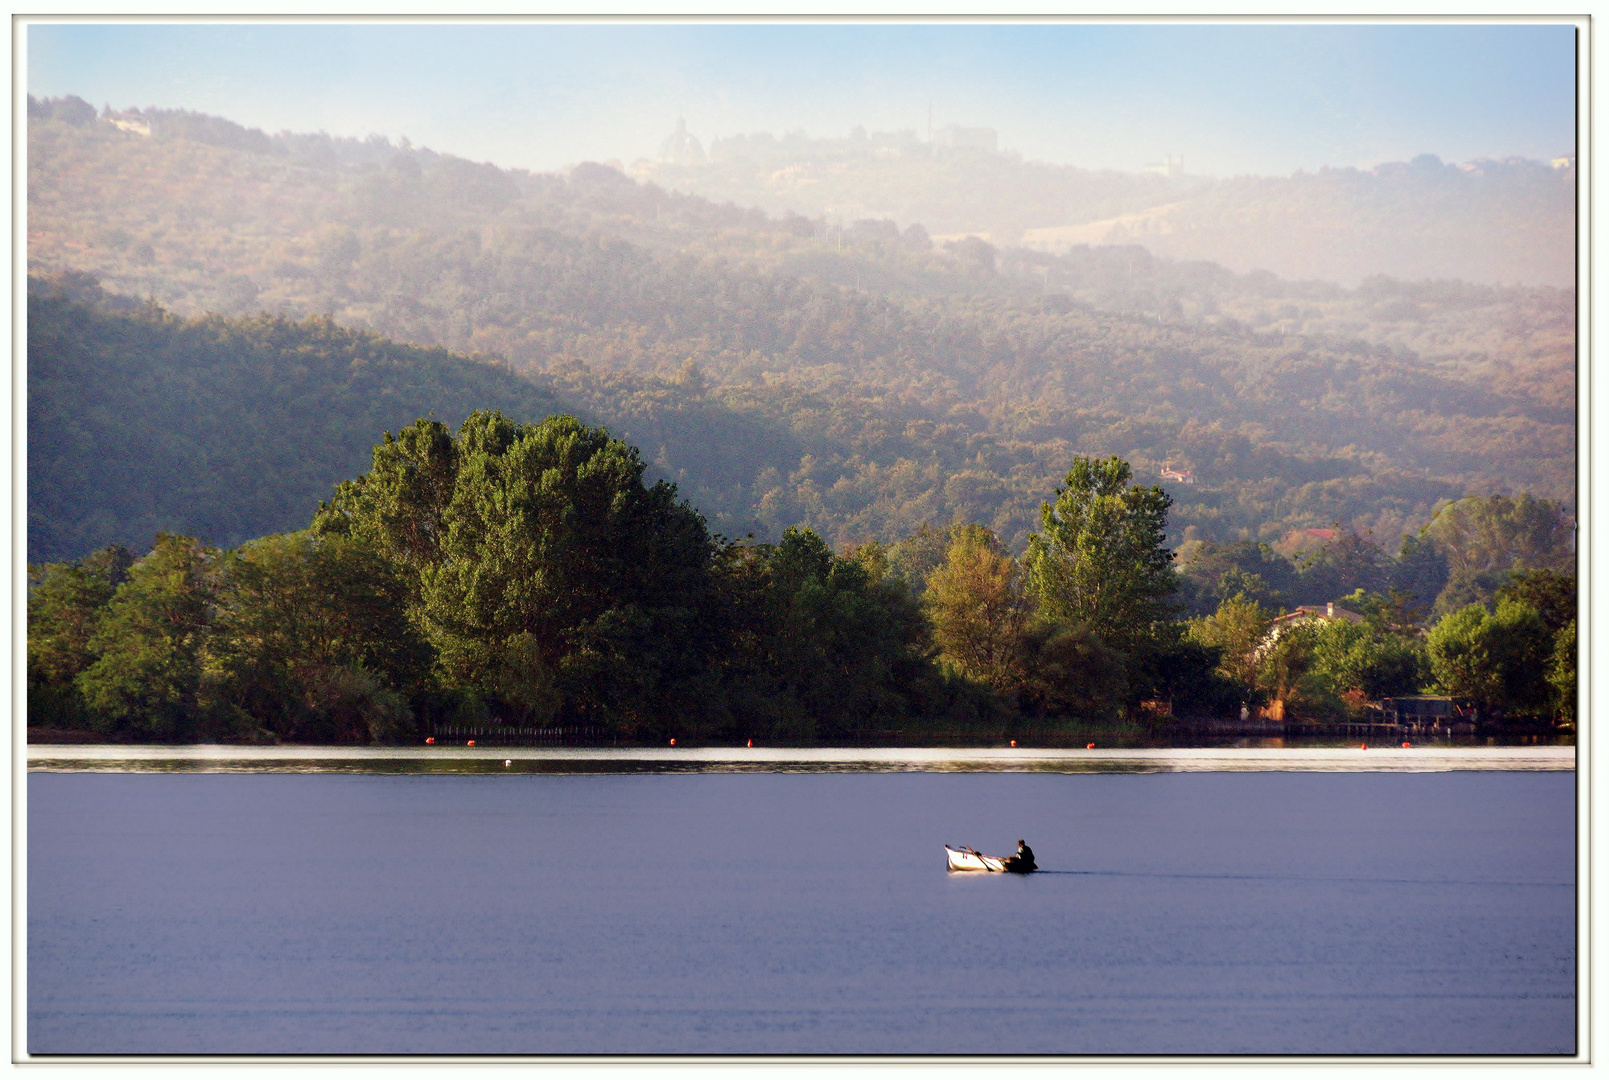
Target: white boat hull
{"type": "Point", "coordinates": [973, 860]}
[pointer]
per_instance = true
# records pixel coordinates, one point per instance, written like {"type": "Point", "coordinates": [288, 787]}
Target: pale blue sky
{"type": "Point", "coordinates": [1232, 99]}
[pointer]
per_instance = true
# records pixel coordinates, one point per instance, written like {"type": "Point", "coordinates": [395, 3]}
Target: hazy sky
{"type": "Point", "coordinates": [1231, 98]}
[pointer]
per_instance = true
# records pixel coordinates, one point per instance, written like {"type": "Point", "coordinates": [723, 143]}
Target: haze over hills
{"type": "Point", "coordinates": [854, 376]}
{"type": "Point", "coordinates": [1509, 221]}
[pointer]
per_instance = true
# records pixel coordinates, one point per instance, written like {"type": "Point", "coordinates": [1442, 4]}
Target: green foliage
{"type": "Point", "coordinates": [544, 573]}
{"type": "Point", "coordinates": [1314, 666]}
{"type": "Point", "coordinates": [1070, 672]}
{"type": "Point", "coordinates": [1499, 662]}
{"type": "Point", "coordinates": [1552, 594]}
{"type": "Point", "coordinates": [150, 642]}
{"type": "Point", "coordinates": [1420, 571]}
{"type": "Point", "coordinates": [914, 558]}
{"type": "Point", "coordinates": [140, 422]}
{"type": "Point", "coordinates": [65, 606]}
{"type": "Point", "coordinates": [1500, 533]}
{"type": "Point", "coordinates": [1561, 672]}
{"type": "Point", "coordinates": [1237, 631]}
{"type": "Point", "coordinates": [1357, 659]}
{"type": "Point", "coordinates": [1395, 613]}
{"type": "Point", "coordinates": [1186, 673]}
{"type": "Point", "coordinates": [822, 651]}
{"type": "Point", "coordinates": [1476, 587]}
{"type": "Point", "coordinates": [1286, 673]}
{"type": "Point", "coordinates": [312, 642]}
{"type": "Point", "coordinates": [1101, 559]}
{"type": "Point", "coordinates": [1210, 573]}
{"type": "Point", "coordinates": [400, 505]}
{"type": "Point", "coordinates": [1345, 564]}
{"type": "Point", "coordinates": [1462, 656]}
{"type": "Point", "coordinates": [979, 611]}
{"type": "Point", "coordinates": [1485, 539]}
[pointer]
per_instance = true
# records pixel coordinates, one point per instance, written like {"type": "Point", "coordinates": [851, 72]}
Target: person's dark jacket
{"type": "Point", "coordinates": [1023, 860]}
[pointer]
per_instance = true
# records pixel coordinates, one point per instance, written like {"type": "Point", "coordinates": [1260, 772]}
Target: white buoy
{"type": "Point", "coordinates": [507, 762]}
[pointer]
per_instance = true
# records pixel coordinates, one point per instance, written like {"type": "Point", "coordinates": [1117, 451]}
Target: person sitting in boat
{"type": "Point", "coordinates": [1023, 860]}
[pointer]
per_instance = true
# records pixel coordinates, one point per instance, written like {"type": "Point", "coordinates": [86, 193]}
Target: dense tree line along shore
{"type": "Point", "coordinates": [985, 492]}
{"type": "Point", "coordinates": [517, 575]}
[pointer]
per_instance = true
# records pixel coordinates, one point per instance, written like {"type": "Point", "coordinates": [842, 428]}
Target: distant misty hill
{"type": "Point", "coordinates": [1510, 221]}
{"type": "Point", "coordinates": [861, 379]}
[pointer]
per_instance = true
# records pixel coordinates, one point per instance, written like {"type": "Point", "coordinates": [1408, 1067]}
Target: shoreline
{"type": "Point", "coordinates": [230, 758]}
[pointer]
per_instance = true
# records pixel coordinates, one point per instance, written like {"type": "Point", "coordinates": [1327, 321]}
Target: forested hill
{"type": "Point", "coordinates": [860, 380]}
{"type": "Point", "coordinates": [140, 422]}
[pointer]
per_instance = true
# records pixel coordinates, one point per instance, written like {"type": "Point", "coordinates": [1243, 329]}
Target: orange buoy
{"type": "Point", "coordinates": [1091, 746]}
{"type": "Point", "coordinates": [431, 741]}
{"type": "Point", "coordinates": [1407, 745]}
{"type": "Point", "coordinates": [1365, 746]}
{"type": "Point", "coordinates": [471, 742]}
{"type": "Point", "coordinates": [1013, 742]}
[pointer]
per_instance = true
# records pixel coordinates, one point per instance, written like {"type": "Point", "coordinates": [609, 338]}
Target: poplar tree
{"type": "Point", "coordinates": [1100, 558]}
{"type": "Point", "coordinates": [979, 610]}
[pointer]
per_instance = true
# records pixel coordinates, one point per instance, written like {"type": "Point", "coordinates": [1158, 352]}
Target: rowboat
{"type": "Point", "coordinates": [967, 859]}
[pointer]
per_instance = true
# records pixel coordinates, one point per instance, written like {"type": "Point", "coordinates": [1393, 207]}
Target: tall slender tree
{"type": "Point", "coordinates": [979, 610]}
{"type": "Point", "coordinates": [1100, 557]}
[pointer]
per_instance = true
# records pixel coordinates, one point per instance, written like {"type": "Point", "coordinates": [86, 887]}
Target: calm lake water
{"type": "Point", "coordinates": [531, 912]}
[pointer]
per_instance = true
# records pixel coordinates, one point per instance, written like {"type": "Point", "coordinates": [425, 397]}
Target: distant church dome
{"type": "Point", "coordinates": [681, 148]}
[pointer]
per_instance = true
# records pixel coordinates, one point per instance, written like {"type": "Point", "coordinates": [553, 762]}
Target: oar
{"type": "Point", "coordinates": [981, 859]}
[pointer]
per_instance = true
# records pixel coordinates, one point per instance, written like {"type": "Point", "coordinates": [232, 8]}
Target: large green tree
{"type": "Point", "coordinates": [979, 609]}
{"type": "Point", "coordinates": [1238, 630]}
{"type": "Point", "coordinates": [546, 574]}
{"type": "Point", "coordinates": [1359, 659]}
{"type": "Point", "coordinates": [1499, 661]}
{"type": "Point", "coordinates": [1484, 539]}
{"type": "Point", "coordinates": [150, 643]}
{"type": "Point", "coordinates": [1100, 558]}
{"type": "Point", "coordinates": [1497, 532]}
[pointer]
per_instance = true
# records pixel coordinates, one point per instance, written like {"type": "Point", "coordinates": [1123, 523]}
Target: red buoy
{"type": "Point", "coordinates": [1365, 746]}
{"type": "Point", "coordinates": [1091, 746]}
{"type": "Point", "coordinates": [431, 741]}
{"type": "Point", "coordinates": [471, 742]}
{"type": "Point", "coordinates": [1013, 742]}
{"type": "Point", "coordinates": [673, 742]}
{"type": "Point", "coordinates": [1407, 745]}
{"type": "Point", "coordinates": [751, 742]}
